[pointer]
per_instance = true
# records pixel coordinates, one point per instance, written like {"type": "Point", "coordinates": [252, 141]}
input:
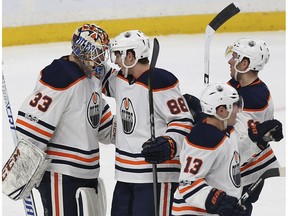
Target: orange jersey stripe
{"type": "Point", "coordinates": [45, 133]}
{"type": "Point", "coordinates": [56, 193]}
{"type": "Point", "coordinates": [61, 154]}
{"type": "Point", "coordinates": [106, 117]}
{"type": "Point", "coordinates": [181, 125]}
{"type": "Point", "coordinates": [188, 208]}
{"type": "Point", "coordinates": [191, 186]}
{"type": "Point", "coordinates": [125, 161]}
{"type": "Point", "coordinates": [257, 161]}
{"type": "Point", "coordinates": [165, 203]}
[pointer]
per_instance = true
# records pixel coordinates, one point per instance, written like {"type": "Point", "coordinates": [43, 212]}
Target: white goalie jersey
{"type": "Point", "coordinates": [66, 117]}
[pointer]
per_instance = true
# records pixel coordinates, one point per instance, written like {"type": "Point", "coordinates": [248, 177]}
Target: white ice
{"type": "Point", "coordinates": [182, 55]}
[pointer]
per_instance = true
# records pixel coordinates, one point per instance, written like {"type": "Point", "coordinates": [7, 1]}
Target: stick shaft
{"type": "Point", "coordinates": [28, 202]}
{"type": "Point", "coordinates": [152, 124]}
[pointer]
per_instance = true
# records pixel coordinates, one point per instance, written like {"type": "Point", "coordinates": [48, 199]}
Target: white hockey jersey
{"type": "Point", "coordinates": [66, 116]}
{"type": "Point", "coordinates": [209, 159]}
{"type": "Point", "coordinates": [258, 107]}
{"type": "Point", "coordinates": [171, 116]}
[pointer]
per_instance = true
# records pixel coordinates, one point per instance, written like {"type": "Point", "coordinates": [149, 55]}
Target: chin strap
{"type": "Point", "coordinates": [127, 67]}
{"type": "Point", "coordinates": [238, 71]}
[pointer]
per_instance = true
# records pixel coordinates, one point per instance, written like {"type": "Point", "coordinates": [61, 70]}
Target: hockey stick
{"type": "Point", "coordinates": [211, 28]}
{"type": "Point", "coordinates": [152, 124]}
{"type": "Point", "coordinates": [274, 172]}
{"type": "Point", "coordinates": [28, 202]}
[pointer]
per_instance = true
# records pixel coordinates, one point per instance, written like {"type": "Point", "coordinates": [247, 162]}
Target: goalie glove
{"type": "Point", "coordinates": [163, 148]}
{"type": "Point", "coordinates": [262, 133]}
{"type": "Point", "coordinates": [24, 170]}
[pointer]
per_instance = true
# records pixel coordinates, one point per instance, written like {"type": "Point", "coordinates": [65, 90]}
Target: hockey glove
{"type": "Point", "coordinates": [264, 132]}
{"type": "Point", "coordinates": [162, 149]}
{"type": "Point", "coordinates": [218, 202]}
{"type": "Point", "coordinates": [194, 107]}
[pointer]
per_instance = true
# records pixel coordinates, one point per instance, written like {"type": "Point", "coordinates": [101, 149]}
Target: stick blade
{"type": "Point", "coordinates": [228, 12]}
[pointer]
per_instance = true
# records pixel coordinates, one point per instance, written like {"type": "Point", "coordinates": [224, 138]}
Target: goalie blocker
{"type": "Point", "coordinates": [23, 170]}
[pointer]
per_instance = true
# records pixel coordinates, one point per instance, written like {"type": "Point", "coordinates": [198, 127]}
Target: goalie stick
{"type": "Point", "coordinates": [274, 172]}
{"type": "Point", "coordinates": [152, 124]}
{"type": "Point", "coordinates": [211, 28]}
{"type": "Point", "coordinates": [28, 202]}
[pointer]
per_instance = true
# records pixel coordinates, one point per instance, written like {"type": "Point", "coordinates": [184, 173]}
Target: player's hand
{"type": "Point", "coordinates": [218, 202]}
{"type": "Point", "coordinates": [264, 132]}
{"type": "Point", "coordinates": [162, 149]}
{"type": "Point", "coordinates": [194, 107]}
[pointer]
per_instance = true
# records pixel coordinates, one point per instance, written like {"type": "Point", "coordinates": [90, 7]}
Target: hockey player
{"type": "Point", "coordinates": [59, 127]}
{"type": "Point", "coordinates": [210, 181]}
{"type": "Point", "coordinates": [256, 125]}
{"type": "Point", "coordinates": [133, 193]}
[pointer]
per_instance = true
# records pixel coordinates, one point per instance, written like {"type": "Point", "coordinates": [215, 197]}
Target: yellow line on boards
{"type": "Point", "coordinates": [152, 26]}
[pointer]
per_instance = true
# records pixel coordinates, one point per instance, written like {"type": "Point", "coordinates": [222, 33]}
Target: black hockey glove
{"type": "Point", "coordinates": [194, 107]}
{"type": "Point", "coordinates": [264, 132]}
{"type": "Point", "coordinates": [162, 149]}
{"type": "Point", "coordinates": [218, 202]}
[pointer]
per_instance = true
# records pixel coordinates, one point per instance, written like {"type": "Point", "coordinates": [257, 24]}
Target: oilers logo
{"type": "Point", "coordinates": [128, 116]}
{"type": "Point", "coordinates": [93, 110]}
{"type": "Point", "coordinates": [234, 171]}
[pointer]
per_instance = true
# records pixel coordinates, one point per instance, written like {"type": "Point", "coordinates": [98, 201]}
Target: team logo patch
{"type": "Point", "coordinates": [234, 171]}
{"type": "Point", "coordinates": [93, 110]}
{"type": "Point", "coordinates": [128, 116]}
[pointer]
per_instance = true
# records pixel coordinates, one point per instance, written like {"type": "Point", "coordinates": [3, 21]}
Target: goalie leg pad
{"type": "Point", "coordinates": [23, 170]}
{"type": "Point", "coordinates": [91, 203]}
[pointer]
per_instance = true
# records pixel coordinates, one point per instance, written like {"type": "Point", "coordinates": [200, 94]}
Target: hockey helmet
{"type": "Point", "coordinates": [217, 94]}
{"type": "Point", "coordinates": [253, 49]}
{"type": "Point", "coordinates": [130, 40]}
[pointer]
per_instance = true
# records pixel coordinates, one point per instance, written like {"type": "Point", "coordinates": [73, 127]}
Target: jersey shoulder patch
{"type": "Point", "coordinates": [256, 95]}
{"type": "Point", "coordinates": [61, 74]}
{"type": "Point", "coordinates": [206, 136]}
{"type": "Point", "coordinates": [161, 79]}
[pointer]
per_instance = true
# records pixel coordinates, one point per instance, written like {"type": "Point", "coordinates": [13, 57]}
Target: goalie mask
{"type": "Point", "coordinates": [90, 44]}
{"type": "Point", "coordinates": [255, 50]}
{"type": "Point", "coordinates": [130, 40]}
{"type": "Point", "coordinates": [219, 94]}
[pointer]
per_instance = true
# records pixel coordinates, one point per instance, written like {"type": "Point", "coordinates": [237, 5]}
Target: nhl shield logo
{"type": "Point", "coordinates": [128, 117]}
{"type": "Point", "coordinates": [93, 110]}
{"type": "Point", "coordinates": [234, 171]}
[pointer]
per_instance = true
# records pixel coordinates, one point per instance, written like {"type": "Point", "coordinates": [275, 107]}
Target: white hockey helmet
{"type": "Point", "coordinates": [217, 94]}
{"type": "Point", "coordinates": [91, 43]}
{"type": "Point", "coordinates": [253, 49]}
{"type": "Point", "coordinates": [130, 40]}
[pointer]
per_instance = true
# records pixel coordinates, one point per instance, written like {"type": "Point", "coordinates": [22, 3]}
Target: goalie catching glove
{"type": "Point", "coordinates": [161, 149]}
{"type": "Point", "coordinates": [262, 133]}
{"type": "Point", "coordinates": [24, 170]}
{"type": "Point", "coordinates": [218, 202]}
